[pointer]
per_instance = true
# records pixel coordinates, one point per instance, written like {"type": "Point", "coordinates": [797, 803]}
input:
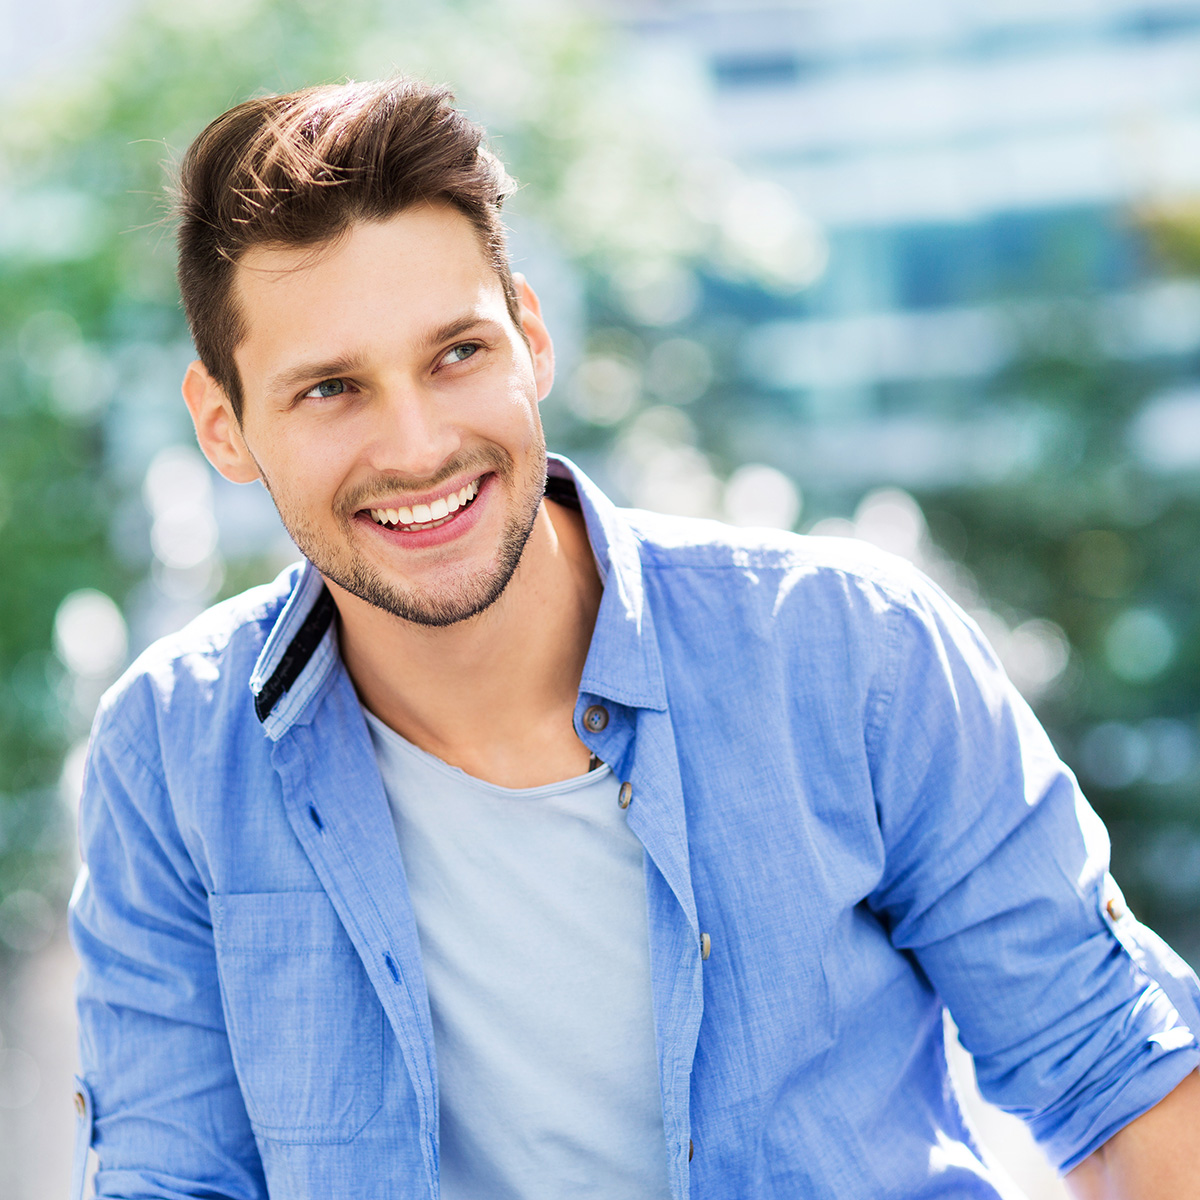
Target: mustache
{"type": "Point", "coordinates": [388, 483]}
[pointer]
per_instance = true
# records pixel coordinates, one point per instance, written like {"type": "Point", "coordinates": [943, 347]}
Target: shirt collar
{"type": "Point", "coordinates": [623, 662]}
{"type": "Point", "coordinates": [299, 654]}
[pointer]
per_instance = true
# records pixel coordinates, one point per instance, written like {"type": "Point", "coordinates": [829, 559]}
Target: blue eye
{"type": "Point", "coordinates": [462, 352]}
{"type": "Point", "coordinates": [325, 389]}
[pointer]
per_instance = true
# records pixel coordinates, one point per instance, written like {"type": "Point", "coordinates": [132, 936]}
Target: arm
{"type": "Point", "coordinates": [1156, 1157]}
{"type": "Point", "coordinates": [167, 1119]}
{"type": "Point", "coordinates": [1079, 1019]}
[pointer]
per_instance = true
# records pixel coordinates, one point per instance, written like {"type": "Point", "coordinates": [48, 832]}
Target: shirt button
{"type": "Point", "coordinates": [80, 1104]}
{"type": "Point", "coordinates": [1116, 908]}
{"type": "Point", "coordinates": [705, 945]}
{"type": "Point", "coordinates": [595, 718]}
{"type": "Point", "coordinates": [625, 795]}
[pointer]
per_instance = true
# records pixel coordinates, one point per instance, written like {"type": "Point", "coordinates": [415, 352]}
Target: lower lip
{"type": "Point", "coordinates": [460, 523]}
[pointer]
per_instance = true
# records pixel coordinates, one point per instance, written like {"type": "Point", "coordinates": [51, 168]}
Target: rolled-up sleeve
{"type": "Point", "coordinates": [996, 880]}
{"type": "Point", "coordinates": [168, 1118]}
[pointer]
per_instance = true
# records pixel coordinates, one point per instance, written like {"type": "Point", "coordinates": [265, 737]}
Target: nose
{"type": "Point", "coordinates": [414, 432]}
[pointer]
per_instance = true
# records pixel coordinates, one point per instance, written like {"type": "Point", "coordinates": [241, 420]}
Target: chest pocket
{"type": "Point", "coordinates": [305, 1025]}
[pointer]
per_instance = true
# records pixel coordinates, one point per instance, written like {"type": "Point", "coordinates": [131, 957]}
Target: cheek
{"type": "Point", "coordinates": [502, 411]}
{"type": "Point", "coordinates": [520, 409]}
{"type": "Point", "coordinates": [303, 471]}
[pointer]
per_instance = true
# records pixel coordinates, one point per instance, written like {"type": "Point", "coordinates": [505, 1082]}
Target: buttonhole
{"type": "Point", "coordinates": [316, 816]}
{"type": "Point", "coordinates": [391, 966]}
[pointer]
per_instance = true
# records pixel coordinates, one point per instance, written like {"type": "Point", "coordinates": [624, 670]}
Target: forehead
{"type": "Point", "coordinates": [388, 278]}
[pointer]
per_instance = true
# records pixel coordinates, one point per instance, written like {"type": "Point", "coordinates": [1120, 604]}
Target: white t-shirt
{"type": "Point", "coordinates": [531, 909]}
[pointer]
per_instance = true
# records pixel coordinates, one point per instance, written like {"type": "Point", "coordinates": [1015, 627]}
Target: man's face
{"type": "Point", "coordinates": [391, 408]}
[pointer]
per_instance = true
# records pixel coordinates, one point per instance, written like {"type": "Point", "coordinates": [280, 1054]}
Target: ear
{"type": "Point", "coordinates": [217, 429]}
{"type": "Point", "coordinates": [540, 345]}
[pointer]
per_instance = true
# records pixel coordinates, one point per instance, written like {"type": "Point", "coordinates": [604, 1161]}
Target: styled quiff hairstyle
{"type": "Point", "coordinates": [300, 169]}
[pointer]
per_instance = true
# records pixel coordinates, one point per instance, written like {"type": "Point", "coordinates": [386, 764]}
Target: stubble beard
{"type": "Point", "coordinates": [459, 599]}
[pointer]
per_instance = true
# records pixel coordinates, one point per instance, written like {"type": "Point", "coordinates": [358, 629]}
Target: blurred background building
{"type": "Point", "coordinates": [927, 275]}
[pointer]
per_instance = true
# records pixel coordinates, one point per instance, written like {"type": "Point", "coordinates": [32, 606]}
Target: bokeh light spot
{"type": "Point", "coordinates": [892, 520]}
{"type": "Point", "coordinates": [89, 634]}
{"type": "Point", "coordinates": [1139, 645]}
{"type": "Point", "coordinates": [756, 494]}
{"type": "Point", "coordinates": [603, 389]}
{"type": "Point", "coordinates": [1114, 754]}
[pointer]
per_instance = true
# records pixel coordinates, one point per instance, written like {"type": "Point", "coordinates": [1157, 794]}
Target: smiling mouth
{"type": "Point", "coordinates": [426, 516]}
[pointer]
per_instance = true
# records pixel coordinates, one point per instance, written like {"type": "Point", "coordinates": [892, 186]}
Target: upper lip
{"type": "Point", "coordinates": [427, 498]}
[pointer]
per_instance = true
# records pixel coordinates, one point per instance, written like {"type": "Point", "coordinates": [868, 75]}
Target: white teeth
{"type": "Point", "coordinates": [424, 514]}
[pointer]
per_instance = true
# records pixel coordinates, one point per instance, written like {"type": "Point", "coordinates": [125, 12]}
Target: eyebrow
{"type": "Point", "coordinates": [286, 381]}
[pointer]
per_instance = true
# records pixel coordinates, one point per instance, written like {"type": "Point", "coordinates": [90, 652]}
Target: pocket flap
{"type": "Point", "coordinates": [305, 1025]}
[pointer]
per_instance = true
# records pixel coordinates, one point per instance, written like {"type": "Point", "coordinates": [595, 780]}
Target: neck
{"type": "Point", "coordinates": [494, 694]}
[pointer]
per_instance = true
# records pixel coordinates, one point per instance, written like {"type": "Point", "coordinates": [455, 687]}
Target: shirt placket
{"type": "Point", "coordinates": [639, 744]}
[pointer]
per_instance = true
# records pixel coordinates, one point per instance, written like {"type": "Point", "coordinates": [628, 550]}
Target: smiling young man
{"type": "Point", "coordinates": [516, 846]}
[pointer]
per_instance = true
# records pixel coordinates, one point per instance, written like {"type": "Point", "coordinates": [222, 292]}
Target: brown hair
{"type": "Point", "coordinates": [299, 169]}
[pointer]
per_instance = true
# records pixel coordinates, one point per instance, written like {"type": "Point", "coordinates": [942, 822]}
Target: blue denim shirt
{"type": "Point", "coordinates": [850, 819]}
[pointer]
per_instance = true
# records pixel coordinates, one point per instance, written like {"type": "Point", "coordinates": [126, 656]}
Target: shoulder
{"type": "Point", "coordinates": [742, 557]}
{"type": "Point", "coordinates": [830, 599]}
{"type": "Point", "coordinates": [204, 667]}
